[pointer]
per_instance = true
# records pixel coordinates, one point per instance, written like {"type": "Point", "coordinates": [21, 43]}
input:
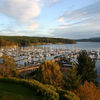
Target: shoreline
{"type": "Point", "coordinates": [37, 44]}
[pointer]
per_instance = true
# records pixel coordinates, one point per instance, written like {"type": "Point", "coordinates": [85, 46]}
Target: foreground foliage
{"type": "Point", "coordinates": [46, 92]}
{"type": "Point", "coordinates": [88, 91]}
{"type": "Point", "coordinates": [8, 68]}
{"type": "Point", "coordinates": [67, 95]}
{"type": "Point", "coordinates": [40, 89]}
{"type": "Point", "coordinates": [49, 73]}
{"type": "Point", "coordinates": [72, 80]}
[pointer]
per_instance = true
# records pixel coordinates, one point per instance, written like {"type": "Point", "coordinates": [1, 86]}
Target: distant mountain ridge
{"type": "Point", "coordinates": [93, 39]}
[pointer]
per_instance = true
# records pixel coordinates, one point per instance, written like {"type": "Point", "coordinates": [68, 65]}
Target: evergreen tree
{"type": "Point", "coordinates": [72, 80]}
{"type": "Point", "coordinates": [86, 67]}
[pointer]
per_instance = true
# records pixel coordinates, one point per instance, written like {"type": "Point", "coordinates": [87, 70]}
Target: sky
{"type": "Point", "coordinates": [74, 19]}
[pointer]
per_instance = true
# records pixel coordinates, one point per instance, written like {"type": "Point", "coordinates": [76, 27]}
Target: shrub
{"type": "Point", "coordinates": [45, 91]}
{"type": "Point", "coordinates": [88, 91]}
{"type": "Point", "coordinates": [8, 68]}
{"type": "Point", "coordinates": [70, 96]}
{"type": "Point", "coordinates": [67, 95]}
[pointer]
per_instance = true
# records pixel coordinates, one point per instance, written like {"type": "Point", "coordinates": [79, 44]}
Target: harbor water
{"type": "Point", "coordinates": [80, 45]}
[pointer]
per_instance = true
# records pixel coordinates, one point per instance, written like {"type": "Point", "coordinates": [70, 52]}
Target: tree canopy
{"type": "Point", "coordinates": [86, 67]}
{"type": "Point", "coordinates": [72, 80]}
{"type": "Point", "coordinates": [8, 68]}
{"type": "Point", "coordinates": [88, 91]}
{"type": "Point", "coordinates": [49, 73]}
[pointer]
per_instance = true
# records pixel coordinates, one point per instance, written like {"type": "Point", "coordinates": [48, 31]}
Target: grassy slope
{"type": "Point", "coordinates": [16, 92]}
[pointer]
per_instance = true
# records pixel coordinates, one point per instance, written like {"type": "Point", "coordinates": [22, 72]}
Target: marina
{"type": "Point", "coordinates": [27, 58]}
{"type": "Point", "coordinates": [34, 55]}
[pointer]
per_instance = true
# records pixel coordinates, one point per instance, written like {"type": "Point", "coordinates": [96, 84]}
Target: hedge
{"type": "Point", "coordinates": [66, 95]}
{"type": "Point", "coordinates": [40, 89]}
{"type": "Point", "coordinates": [47, 91]}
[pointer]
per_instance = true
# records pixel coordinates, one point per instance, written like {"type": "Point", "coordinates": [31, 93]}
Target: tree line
{"type": "Point", "coordinates": [27, 41]}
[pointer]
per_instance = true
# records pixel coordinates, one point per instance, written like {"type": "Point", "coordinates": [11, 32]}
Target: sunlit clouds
{"type": "Point", "coordinates": [57, 18]}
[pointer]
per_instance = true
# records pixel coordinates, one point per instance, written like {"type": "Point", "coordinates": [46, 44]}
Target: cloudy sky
{"type": "Point", "coordinates": [50, 18]}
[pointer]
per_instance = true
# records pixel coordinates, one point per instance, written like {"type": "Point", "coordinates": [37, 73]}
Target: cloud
{"type": "Point", "coordinates": [22, 10]}
{"type": "Point", "coordinates": [33, 25]}
{"type": "Point", "coordinates": [81, 14]}
{"type": "Point", "coordinates": [81, 30]}
{"type": "Point", "coordinates": [54, 1]}
{"type": "Point", "coordinates": [79, 23]}
{"type": "Point", "coordinates": [61, 19]}
{"type": "Point", "coordinates": [22, 16]}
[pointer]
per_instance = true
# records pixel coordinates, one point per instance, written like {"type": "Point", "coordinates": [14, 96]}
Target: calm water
{"type": "Point", "coordinates": [80, 45]}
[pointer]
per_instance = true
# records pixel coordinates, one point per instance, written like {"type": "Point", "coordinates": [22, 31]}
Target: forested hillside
{"type": "Point", "coordinates": [26, 41]}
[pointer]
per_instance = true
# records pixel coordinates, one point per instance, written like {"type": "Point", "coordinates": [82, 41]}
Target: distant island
{"type": "Point", "coordinates": [27, 41]}
{"type": "Point", "coordinates": [94, 39]}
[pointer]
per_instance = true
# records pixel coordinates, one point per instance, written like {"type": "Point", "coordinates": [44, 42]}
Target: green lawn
{"type": "Point", "coordinates": [16, 92]}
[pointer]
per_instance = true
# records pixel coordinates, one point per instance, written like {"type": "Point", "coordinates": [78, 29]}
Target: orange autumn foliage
{"type": "Point", "coordinates": [7, 43]}
{"type": "Point", "coordinates": [88, 91]}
